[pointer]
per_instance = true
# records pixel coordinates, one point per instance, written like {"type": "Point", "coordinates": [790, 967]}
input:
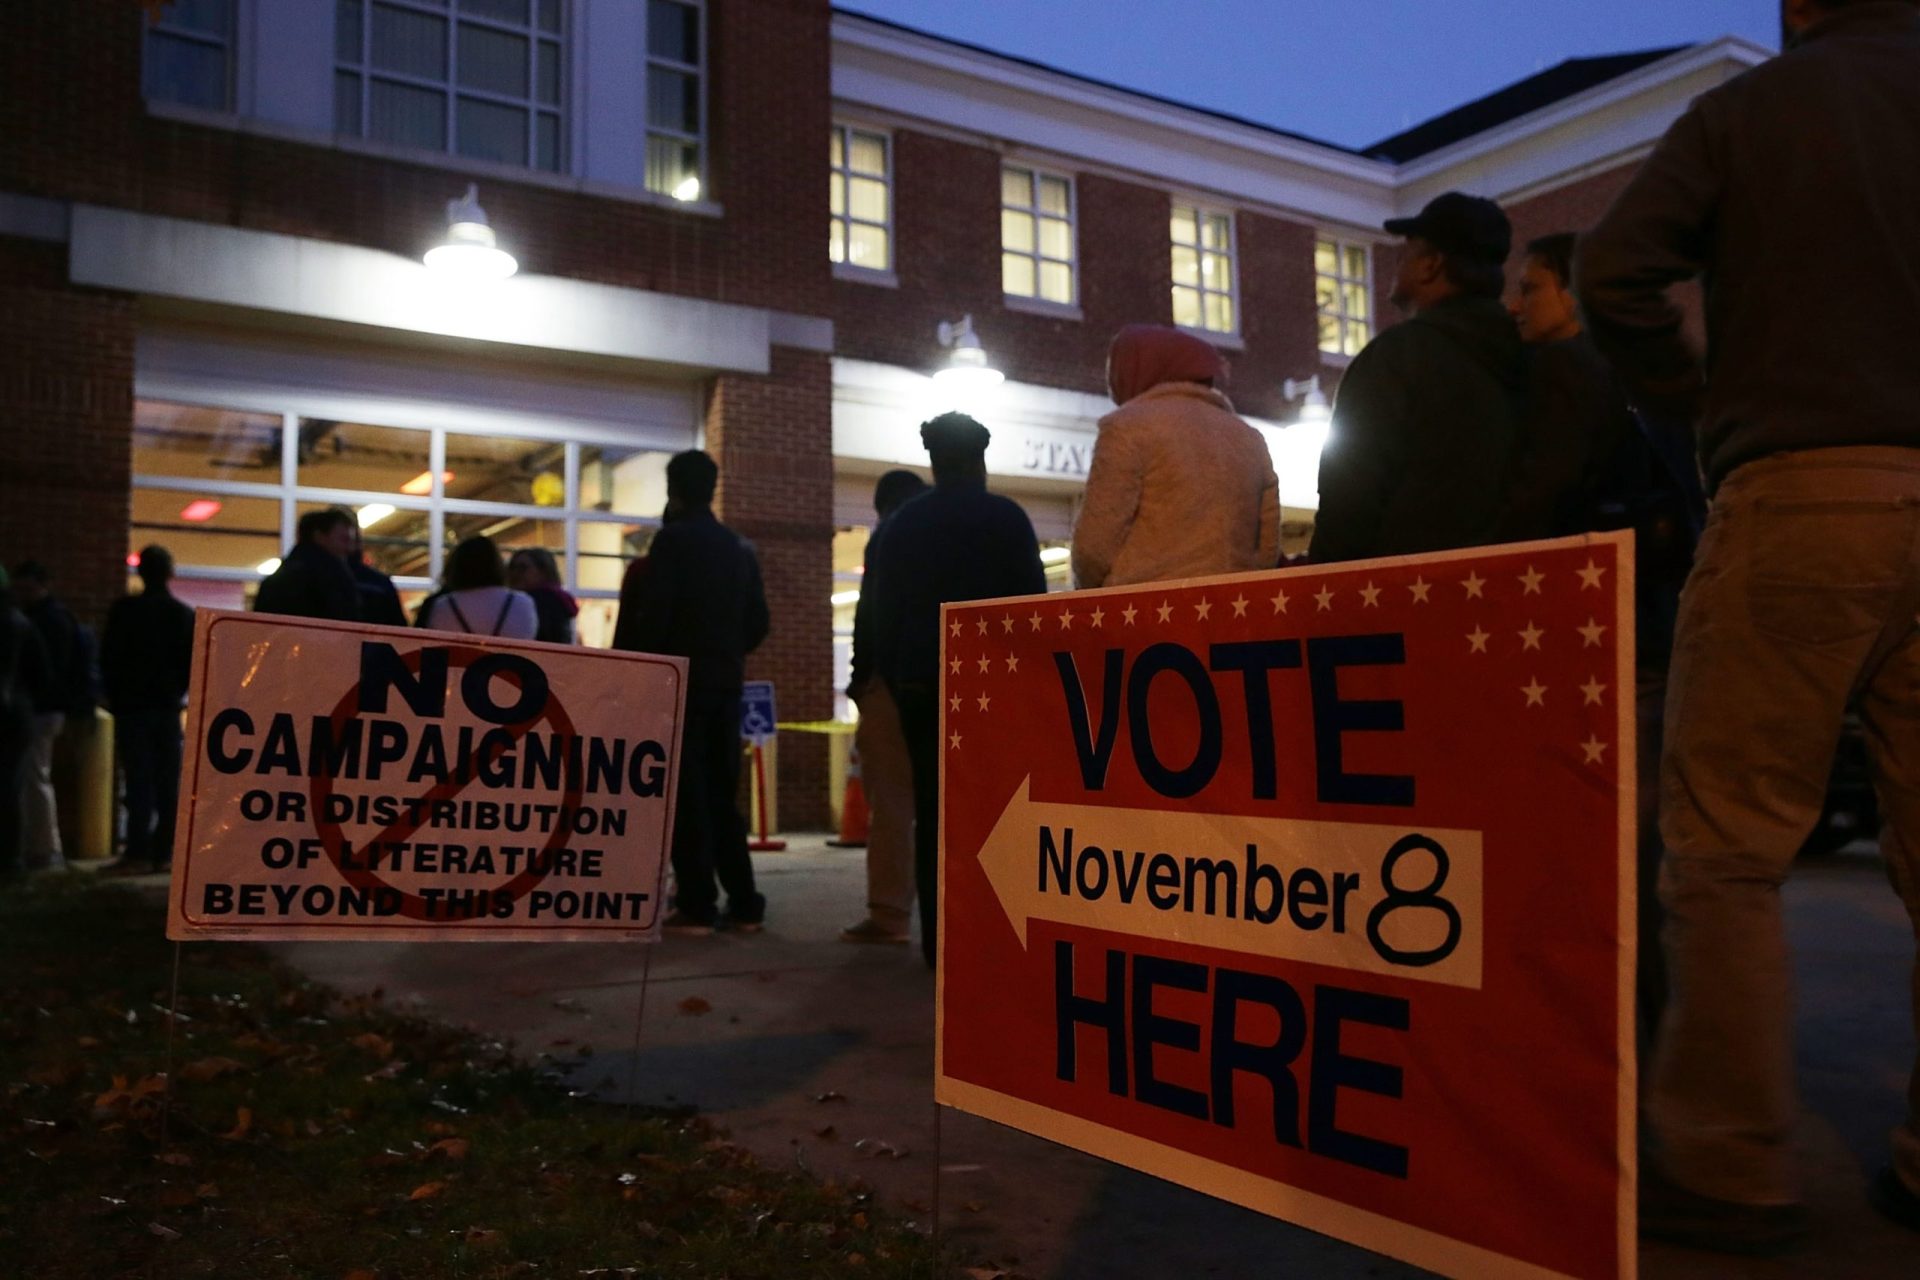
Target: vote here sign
{"type": "Point", "coordinates": [351, 782]}
{"type": "Point", "coordinates": [1312, 890]}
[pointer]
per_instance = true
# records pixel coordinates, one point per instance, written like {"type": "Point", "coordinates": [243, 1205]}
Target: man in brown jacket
{"type": "Point", "coordinates": [1795, 190]}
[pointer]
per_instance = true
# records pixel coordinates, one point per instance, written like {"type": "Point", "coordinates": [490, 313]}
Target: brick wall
{"type": "Point", "coordinates": [773, 439]}
{"type": "Point", "coordinates": [66, 400]}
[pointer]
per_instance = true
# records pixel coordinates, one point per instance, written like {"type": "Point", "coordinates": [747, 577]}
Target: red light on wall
{"type": "Point", "coordinates": [200, 510]}
{"type": "Point", "coordinates": [422, 484]}
{"type": "Point", "coordinates": [133, 559]}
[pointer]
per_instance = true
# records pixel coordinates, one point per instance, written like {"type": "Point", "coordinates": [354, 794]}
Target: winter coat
{"type": "Point", "coordinates": [700, 598]}
{"type": "Point", "coordinates": [310, 583]}
{"type": "Point", "coordinates": [1179, 487]}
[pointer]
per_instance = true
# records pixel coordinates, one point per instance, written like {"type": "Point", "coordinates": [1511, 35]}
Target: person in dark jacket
{"type": "Point", "coordinates": [379, 599]}
{"type": "Point", "coordinates": [25, 683]}
{"type": "Point", "coordinates": [534, 571]}
{"type": "Point", "coordinates": [1793, 191]}
{"type": "Point", "coordinates": [954, 542]}
{"type": "Point", "coordinates": [1428, 415]}
{"type": "Point", "coordinates": [146, 659]}
{"type": "Point", "coordinates": [701, 599]}
{"type": "Point", "coordinates": [67, 692]}
{"type": "Point", "coordinates": [314, 580]}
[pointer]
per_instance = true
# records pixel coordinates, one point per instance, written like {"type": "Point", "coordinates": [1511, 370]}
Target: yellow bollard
{"type": "Point", "coordinates": [83, 787]}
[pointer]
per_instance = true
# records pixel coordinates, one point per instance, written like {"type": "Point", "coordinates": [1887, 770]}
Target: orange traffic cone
{"type": "Point", "coordinates": [853, 809]}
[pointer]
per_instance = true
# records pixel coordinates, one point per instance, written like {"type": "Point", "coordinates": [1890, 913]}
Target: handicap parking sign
{"type": "Point", "coordinates": [757, 718]}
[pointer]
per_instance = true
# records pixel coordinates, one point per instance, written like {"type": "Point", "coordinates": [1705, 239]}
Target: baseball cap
{"type": "Point", "coordinates": [1461, 225]}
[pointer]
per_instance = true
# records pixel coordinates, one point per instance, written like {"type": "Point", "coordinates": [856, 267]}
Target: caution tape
{"type": "Point", "coordinates": [815, 726]}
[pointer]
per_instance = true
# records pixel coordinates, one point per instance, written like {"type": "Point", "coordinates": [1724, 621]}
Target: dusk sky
{"type": "Point", "coordinates": [1347, 71]}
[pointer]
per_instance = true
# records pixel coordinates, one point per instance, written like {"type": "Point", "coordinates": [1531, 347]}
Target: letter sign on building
{"type": "Point", "coordinates": [1312, 890]}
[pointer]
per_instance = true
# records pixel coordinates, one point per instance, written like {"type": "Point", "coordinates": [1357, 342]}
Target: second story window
{"type": "Point", "coordinates": [860, 200]}
{"type": "Point", "coordinates": [477, 78]}
{"type": "Point", "coordinates": [189, 55]}
{"type": "Point", "coordinates": [1343, 292]}
{"type": "Point", "coordinates": [1203, 286]}
{"type": "Point", "coordinates": [1036, 235]}
{"type": "Point", "coordinates": [676, 98]}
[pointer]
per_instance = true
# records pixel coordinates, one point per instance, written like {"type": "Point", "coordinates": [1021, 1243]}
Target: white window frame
{"type": "Point", "coordinates": [699, 74]}
{"type": "Point", "coordinates": [1342, 245]}
{"type": "Point", "coordinates": [844, 221]}
{"type": "Point", "coordinates": [1034, 300]}
{"type": "Point", "coordinates": [560, 110]}
{"type": "Point", "coordinates": [228, 45]}
{"type": "Point", "coordinates": [1231, 291]}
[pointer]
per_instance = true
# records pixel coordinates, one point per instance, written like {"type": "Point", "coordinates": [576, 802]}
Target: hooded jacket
{"type": "Point", "coordinates": [1180, 487]}
{"type": "Point", "coordinates": [1426, 428]}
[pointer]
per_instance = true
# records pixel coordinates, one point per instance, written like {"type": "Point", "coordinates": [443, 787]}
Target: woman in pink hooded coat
{"type": "Point", "coordinates": [1180, 487]}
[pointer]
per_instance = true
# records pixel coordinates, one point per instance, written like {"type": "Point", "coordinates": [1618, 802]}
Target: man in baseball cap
{"type": "Point", "coordinates": [1429, 415]}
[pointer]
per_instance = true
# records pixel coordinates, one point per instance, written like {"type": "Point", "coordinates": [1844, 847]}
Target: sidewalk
{"type": "Point", "coordinates": [819, 1054]}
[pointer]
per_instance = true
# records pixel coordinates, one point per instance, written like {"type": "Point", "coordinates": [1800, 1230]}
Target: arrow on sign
{"type": "Point", "coordinates": [1353, 895]}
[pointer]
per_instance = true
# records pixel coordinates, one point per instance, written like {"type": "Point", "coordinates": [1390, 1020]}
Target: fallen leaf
{"type": "Point", "coordinates": [451, 1148]}
{"type": "Point", "coordinates": [482, 1236]}
{"type": "Point", "coordinates": [377, 1045]}
{"type": "Point", "coordinates": [831, 1095]}
{"type": "Point", "coordinates": [207, 1069]}
{"type": "Point", "coordinates": [427, 1190]}
{"type": "Point", "coordinates": [178, 1159]}
{"type": "Point", "coordinates": [88, 1042]}
{"type": "Point", "coordinates": [826, 1133]}
{"type": "Point", "coordinates": [207, 1191]}
{"type": "Point", "coordinates": [174, 1198]}
{"type": "Point", "coordinates": [242, 1124]}
{"type": "Point", "coordinates": [973, 1206]}
{"type": "Point", "coordinates": [694, 1006]}
{"type": "Point", "coordinates": [389, 1072]}
{"type": "Point", "coordinates": [385, 1159]}
{"type": "Point", "coordinates": [165, 1233]}
{"type": "Point", "coordinates": [859, 1222]}
{"type": "Point", "coordinates": [856, 1259]}
{"type": "Point", "coordinates": [440, 1129]}
{"type": "Point", "coordinates": [360, 1273]}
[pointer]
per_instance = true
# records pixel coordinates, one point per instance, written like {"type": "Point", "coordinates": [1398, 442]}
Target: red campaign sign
{"type": "Point", "coordinates": [1312, 890]}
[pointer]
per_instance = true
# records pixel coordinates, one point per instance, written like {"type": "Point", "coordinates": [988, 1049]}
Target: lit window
{"type": "Point", "coordinates": [485, 82]}
{"type": "Point", "coordinates": [676, 98]}
{"type": "Point", "coordinates": [1203, 276]}
{"type": "Point", "coordinates": [1036, 235]}
{"type": "Point", "coordinates": [1343, 292]}
{"type": "Point", "coordinates": [860, 199]}
{"type": "Point", "coordinates": [189, 54]}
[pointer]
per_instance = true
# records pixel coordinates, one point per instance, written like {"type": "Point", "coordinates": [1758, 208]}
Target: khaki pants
{"type": "Point", "coordinates": [1802, 600]}
{"type": "Point", "coordinates": [42, 848]}
{"type": "Point", "coordinates": [886, 775]}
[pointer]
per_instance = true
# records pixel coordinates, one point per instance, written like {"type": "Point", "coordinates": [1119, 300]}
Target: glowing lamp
{"type": "Point", "coordinates": [470, 251]}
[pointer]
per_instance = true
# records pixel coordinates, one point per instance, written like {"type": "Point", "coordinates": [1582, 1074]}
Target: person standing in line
{"type": "Point", "coordinates": [68, 691]}
{"type": "Point", "coordinates": [1587, 464]}
{"type": "Point", "coordinates": [474, 596]}
{"type": "Point", "coordinates": [534, 571]}
{"type": "Point", "coordinates": [1180, 487]}
{"type": "Point", "coordinates": [314, 580]}
{"type": "Point", "coordinates": [24, 684]}
{"type": "Point", "coordinates": [700, 598]}
{"type": "Point", "coordinates": [955, 542]}
{"type": "Point", "coordinates": [886, 774]}
{"type": "Point", "coordinates": [146, 662]}
{"type": "Point", "coordinates": [379, 599]}
{"type": "Point", "coordinates": [1793, 190]}
{"type": "Point", "coordinates": [1429, 414]}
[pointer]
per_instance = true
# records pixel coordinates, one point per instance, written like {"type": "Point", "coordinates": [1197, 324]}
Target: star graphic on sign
{"type": "Point", "coordinates": [1098, 617]}
{"type": "Point", "coordinates": [984, 701]}
{"type": "Point", "coordinates": [1279, 602]}
{"type": "Point", "coordinates": [1165, 611]}
{"type": "Point", "coordinates": [1035, 620]}
{"type": "Point", "coordinates": [1591, 634]}
{"type": "Point", "coordinates": [1240, 606]}
{"type": "Point", "coordinates": [1530, 638]}
{"type": "Point", "coordinates": [1202, 609]}
{"type": "Point", "coordinates": [1531, 580]}
{"type": "Point", "coordinates": [1478, 640]}
{"type": "Point", "coordinates": [954, 666]}
{"type": "Point", "coordinates": [955, 628]}
{"type": "Point", "coordinates": [1128, 614]}
{"type": "Point", "coordinates": [1590, 576]}
{"type": "Point", "coordinates": [1007, 622]}
{"type": "Point", "coordinates": [1013, 664]}
{"type": "Point", "coordinates": [1420, 588]}
{"type": "Point", "coordinates": [1595, 749]}
{"type": "Point", "coordinates": [1536, 693]}
{"type": "Point", "coordinates": [986, 664]}
{"type": "Point", "coordinates": [982, 624]}
{"type": "Point", "coordinates": [953, 740]}
{"type": "Point", "coordinates": [1473, 583]}
{"type": "Point", "coordinates": [1593, 689]}
{"type": "Point", "coordinates": [1370, 596]}
{"type": "Point", "coordinates": [1066, 619]}
{"type": "Point", "coordinates": [1325, 596]}
{"type": "Point", "coordinates": [953, 703]}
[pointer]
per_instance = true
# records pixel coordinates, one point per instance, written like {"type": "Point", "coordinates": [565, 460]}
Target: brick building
{"type": "Point", "coordinates": [216, 315]}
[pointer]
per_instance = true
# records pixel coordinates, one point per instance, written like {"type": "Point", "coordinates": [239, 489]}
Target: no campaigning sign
{"type": "Point", "coordinates": [351, 782]}
{"type": "Point", "coordinates": [1311, 890]}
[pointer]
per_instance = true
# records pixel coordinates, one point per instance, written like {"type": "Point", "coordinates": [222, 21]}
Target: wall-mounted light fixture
{"type": "Point", "coordinates": [967, 371]}
{"type": "Point", "coordinates": [470, 251]}
{"type": "Point", "coordinates": [1313, 401]}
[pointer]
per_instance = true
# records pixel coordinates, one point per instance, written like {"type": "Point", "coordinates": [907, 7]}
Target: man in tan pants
{"type": "Point", "coordinates": [886, 773]}
{"type": "Point", "coordinates": [1795, 190]}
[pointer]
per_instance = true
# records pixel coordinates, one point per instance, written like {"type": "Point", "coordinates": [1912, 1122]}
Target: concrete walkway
{"type": "Point", "coordinates": [819, 1056]}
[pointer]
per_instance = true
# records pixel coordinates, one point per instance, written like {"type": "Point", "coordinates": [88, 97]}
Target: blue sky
{"type": "Point", "coordinates": [1347, 71]}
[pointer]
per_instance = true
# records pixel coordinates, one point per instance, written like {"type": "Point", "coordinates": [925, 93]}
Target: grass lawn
{"type": "Point", "coordinates": [315, 1135]}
